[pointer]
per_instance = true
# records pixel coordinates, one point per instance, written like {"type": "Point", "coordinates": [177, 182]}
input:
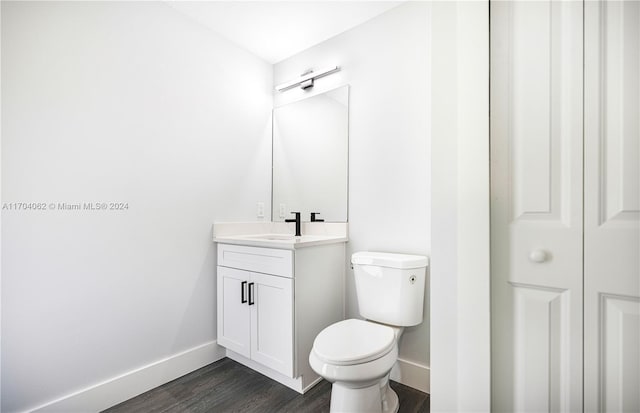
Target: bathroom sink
{"type": "Point", "coordinates": [279, 240]}
{"type": "Point", "coordinates": [274, 237]}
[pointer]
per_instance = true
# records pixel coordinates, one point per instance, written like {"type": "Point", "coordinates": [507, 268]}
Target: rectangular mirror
{"type": "Point", "coordinates": [310, 157]}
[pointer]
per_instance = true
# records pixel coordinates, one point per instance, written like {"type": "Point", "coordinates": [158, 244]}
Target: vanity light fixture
{"type": "Point", "coordinates": [306, 79]}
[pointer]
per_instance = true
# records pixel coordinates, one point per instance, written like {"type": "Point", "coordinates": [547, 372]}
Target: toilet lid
{"type": "Point", "coordinates": [353, 342]}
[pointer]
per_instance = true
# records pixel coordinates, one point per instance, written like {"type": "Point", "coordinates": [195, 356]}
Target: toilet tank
{"type": "Point", "coordinates": [390, 287]}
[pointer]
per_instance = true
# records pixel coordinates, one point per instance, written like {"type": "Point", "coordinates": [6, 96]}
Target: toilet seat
{"type": "Point", "coordinates": [353, 341]}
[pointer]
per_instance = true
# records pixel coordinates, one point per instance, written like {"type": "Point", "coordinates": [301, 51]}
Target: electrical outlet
{"type": "Point", "coordinates": [282, 209]}
{"type": "Point", "coordinates": [260, 209]}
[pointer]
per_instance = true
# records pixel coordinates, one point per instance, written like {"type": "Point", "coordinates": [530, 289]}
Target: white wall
{"type": "Point", "coordinates": [460, 322]}
{"type": "Point", "coordinates": [126, 102]}
{"type": "Point", "coordinates": [386, 62]}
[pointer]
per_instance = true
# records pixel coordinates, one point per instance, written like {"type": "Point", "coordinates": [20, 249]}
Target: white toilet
{"type": "Point", "coordinates": [357, 355]}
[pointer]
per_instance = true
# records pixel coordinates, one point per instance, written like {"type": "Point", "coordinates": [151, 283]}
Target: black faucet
{"type": "Point", "coordinates": [314, 219]}
{"type": "Point", "coordinates": [297, 221]}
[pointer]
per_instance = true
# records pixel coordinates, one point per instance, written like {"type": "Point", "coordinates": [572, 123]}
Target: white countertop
{"type": "Point", "coordinates": [278, 234]}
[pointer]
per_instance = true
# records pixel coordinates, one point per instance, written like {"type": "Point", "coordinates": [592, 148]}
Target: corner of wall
{"type": "Point", "coordinates": [412, 374]}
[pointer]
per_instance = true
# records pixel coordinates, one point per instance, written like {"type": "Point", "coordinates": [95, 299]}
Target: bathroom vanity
{"type": "Point", "coordinates": [276, 292]}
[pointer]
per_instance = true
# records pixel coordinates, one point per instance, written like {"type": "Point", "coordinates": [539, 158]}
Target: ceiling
{"type": "Point", "coordinates": [275, 30]}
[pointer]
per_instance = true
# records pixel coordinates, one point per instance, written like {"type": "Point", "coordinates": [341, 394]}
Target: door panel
{"type": "Point", "coordinates": [612, 207]}
{"type": "Point", "coordinates": [272, 322]}
{"type": "Point", "coordinates": [536, 193]}
{"type": "Point", "coordinates": [542, 348]}
{"type": "Point", "coordinates": [234, 328]}
{"type": "Point", "coordinates": [620, 318]}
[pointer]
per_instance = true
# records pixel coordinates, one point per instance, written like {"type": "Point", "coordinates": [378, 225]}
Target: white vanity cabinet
{"type": "Point", "coordinates": [255, 317]}
{"type": "Point", "coordinates": [273, 302]}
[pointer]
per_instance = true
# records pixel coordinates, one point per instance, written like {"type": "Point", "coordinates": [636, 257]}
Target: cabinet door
{"type": "Point", "coordinates": [272, 322]}
{"type": "Point", "coordinates": [234, 330]}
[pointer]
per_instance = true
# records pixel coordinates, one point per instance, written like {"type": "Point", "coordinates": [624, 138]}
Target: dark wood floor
{"type": "Point", "coordinates": [227, 386]}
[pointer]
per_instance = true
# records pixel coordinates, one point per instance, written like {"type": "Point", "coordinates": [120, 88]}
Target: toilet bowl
{"type": "Point", "coordinates": [358, 355]}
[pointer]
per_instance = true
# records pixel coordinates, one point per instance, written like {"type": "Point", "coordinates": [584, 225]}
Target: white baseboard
{"type": "Point", "coordinates": [412, 374]}
{"type": "Point", "coordinates": [118, 389]}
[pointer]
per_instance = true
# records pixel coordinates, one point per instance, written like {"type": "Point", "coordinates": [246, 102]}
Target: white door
{"type": "Point", "coordinates": [271, 302]}
{"type": "Point", "coordinates": [565, 251]}
{"type": "Point", "coordinates": [612, 207]}
{"type": "Point", "coordinates": [234, 320]}
{"type": "Point", "coordinates": [536, 204]}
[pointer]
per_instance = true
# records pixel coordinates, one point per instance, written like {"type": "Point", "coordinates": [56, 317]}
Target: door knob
{"type": "Point", "coordinates": [538, 256]}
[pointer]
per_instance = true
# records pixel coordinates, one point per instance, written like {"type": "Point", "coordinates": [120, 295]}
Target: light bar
{"type": "Point", "coordinates": [306, 77]}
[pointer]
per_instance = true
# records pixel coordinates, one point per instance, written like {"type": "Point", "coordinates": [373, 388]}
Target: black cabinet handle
{"type": "Point", "coordinates": [251, 302]}
{"type": "Point", "coordinates": [243, 287]}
